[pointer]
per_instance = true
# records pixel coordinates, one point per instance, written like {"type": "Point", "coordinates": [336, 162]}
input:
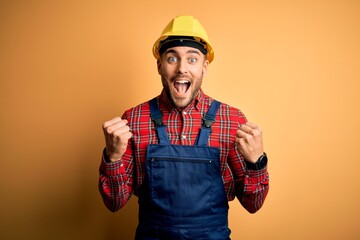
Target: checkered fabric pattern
{"type": "Point", "coordinates": [119, 180]}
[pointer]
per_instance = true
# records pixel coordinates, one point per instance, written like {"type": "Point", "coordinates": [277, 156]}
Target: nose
{"type": "Point", "coordinates": [182, 66]}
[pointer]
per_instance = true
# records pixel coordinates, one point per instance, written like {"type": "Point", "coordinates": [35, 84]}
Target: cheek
{"type": "Point", "coordinates": [198, 72]}
{"type": "Point", "coordinates": [162, 68]}
{"type": "Point", "coordinates": [164, 73]}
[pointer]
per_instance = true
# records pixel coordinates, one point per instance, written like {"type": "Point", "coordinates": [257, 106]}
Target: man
{"type": "Point", "coordinates": [184, 154]}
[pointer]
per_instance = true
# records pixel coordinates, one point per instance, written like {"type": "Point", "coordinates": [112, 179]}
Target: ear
{"type": "Point", "coordinates": [158, 66]}
{"type": "Point", "coordinates": [205, 67]}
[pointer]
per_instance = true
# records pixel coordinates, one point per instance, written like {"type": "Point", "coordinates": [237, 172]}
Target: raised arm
{"type": "Point", "coordinates": [116, 168]}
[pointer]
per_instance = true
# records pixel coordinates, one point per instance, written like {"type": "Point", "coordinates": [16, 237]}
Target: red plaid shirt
{"type": "Point", "coordinates": [118, 180]}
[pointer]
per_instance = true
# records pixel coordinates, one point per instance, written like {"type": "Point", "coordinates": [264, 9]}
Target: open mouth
{"type": "Point", "coordinates": [182, 86]}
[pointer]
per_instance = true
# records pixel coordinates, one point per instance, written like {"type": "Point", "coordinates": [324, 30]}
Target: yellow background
{"type": "Point", "coordinates": [293, 67]}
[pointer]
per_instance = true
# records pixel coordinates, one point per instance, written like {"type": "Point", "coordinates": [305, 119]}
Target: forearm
{"type": "Point", "coordinates": [115, 183]}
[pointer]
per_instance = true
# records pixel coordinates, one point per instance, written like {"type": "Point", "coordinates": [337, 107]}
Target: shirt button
{"type": "Point", "coordinates": [183, 136]}
{"type": "Point", "coordinates": [184, 112]}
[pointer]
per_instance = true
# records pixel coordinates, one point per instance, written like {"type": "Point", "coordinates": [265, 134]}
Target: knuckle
{"type": "Point", "coordinates": [105, 125]}
{"type": "Point", "coordinates": [130, 134]}
{"type": "Point", "coordinates": [108, 130]}
{"type": "Point", "coordinates": [248, 137]}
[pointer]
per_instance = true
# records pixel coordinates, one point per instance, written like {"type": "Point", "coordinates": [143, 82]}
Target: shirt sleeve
{"type": "Point", "coordinates": [254, 192]}
{"type": "Point", "coordinates": [251, 186]}
{"type": "Point", "coordinates": [116, 179]}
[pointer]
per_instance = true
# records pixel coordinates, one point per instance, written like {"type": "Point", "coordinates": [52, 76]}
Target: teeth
{"type": "Point", "coordinates": [182, 81]}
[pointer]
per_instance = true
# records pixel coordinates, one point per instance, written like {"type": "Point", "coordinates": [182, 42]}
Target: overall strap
{"type": "Point", "coordinates": [208, 120]}
{"type": "Point", "coordinates": [157, 117]}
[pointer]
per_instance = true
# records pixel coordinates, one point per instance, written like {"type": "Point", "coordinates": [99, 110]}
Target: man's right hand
{"type": "Point", "coordinates": [117, 134]}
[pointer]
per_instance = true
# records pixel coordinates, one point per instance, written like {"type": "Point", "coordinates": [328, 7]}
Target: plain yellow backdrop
{"type": "Point", "coordinates": [293, 67]}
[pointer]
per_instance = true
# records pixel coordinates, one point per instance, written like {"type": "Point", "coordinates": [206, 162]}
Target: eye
{"type": "Point", "coordinates": [192, 60]}
{"type": "Point", "coordinates": [172, 59]}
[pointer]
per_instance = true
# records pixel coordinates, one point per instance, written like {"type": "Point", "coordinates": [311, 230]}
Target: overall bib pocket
{"type": "Point", "coordinates": [180, 186]}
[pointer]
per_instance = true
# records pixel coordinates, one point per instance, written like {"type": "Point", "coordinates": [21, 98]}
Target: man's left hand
{"type": "Point", "coordinates": [249, 141]}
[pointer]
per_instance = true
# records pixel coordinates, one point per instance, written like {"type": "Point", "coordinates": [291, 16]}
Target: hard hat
{"type": "Point", "coordinates": [185, 26]}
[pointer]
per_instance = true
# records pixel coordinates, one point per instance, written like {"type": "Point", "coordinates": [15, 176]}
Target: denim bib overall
{"type": "Point", "coordinates": [183, 196]}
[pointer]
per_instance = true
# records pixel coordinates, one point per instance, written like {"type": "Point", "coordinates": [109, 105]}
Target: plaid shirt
{"type": "Point", "coordinates": [118, 180]}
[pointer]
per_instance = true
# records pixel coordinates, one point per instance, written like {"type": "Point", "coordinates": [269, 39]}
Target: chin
{"type": "Point", "coordinates": [181, 103]}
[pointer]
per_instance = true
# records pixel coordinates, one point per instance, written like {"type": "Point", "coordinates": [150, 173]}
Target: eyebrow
{"type": "Point", "coordinates": [189, 51]}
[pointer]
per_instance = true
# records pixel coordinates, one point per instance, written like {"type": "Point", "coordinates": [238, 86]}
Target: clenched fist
{"type": "Point", "coordinates": [249, 141]}
{"type": "Point", "coordinates": [117, 134]}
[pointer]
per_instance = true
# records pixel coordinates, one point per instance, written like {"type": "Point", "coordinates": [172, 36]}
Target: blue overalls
{"type": "Point", "coordinates": [183, 196]}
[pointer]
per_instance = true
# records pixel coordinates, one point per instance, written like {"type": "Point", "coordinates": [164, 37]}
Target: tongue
{"type": "Point", "coordinates": [181, 87]}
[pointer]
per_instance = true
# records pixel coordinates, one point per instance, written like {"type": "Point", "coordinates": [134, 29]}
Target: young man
{"type": "Point", "coordinates": [184, 154]}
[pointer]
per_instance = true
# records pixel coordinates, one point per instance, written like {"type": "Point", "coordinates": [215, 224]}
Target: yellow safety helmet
{"type": "Point", "coordinates": [185, 26]}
